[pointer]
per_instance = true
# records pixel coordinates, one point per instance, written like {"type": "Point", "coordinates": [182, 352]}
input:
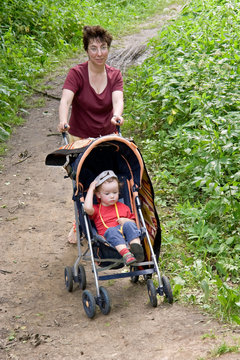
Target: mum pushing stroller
{"type": "Point", "coordinates": [89, 163]}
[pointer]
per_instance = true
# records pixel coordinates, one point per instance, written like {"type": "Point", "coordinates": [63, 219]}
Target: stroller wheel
{"type": "Point", "coordinates": [82, 277]}
{"type": "Point", "coordinates": [152, 293]}
{"type": "Point", "coordinates": [89, 303]}
{"type": "Point", "coordinates": [147, 276]}
{"type": "Point", "coordinates": [104, 302]}
{"type": "Point", "coordinates": [134, 278]}
{"type": "Point", "coordinates": [167, 289]}
{"type": "Point", "coordinates": [68, 278]}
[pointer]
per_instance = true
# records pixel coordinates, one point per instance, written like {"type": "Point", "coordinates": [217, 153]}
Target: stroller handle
{"type": "Point", "coordinates": [64, 135]}
{"type": "Point", "coordinates": [118, 128]}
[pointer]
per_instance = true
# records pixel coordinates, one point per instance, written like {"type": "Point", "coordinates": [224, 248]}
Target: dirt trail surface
{"type": "Point", "coordinates": [39, 319]}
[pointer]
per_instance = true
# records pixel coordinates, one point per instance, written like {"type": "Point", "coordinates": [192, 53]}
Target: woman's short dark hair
{"type": "Point", "coordinates": [95, 32]}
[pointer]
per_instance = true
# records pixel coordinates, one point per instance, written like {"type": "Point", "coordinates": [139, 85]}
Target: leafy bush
{"type": "Point", "coordinates": [186, 108]}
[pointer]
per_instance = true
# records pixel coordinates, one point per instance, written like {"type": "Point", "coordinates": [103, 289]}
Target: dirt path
{"type": "Point", "coordinates": [39, 319]}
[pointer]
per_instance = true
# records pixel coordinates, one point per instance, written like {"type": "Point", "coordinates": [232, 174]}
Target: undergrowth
{"type": "Point", "coordinates": [183, 104]}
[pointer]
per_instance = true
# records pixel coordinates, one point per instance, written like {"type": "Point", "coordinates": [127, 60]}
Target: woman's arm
{"type": "Point", "coordinates": [117, 101]}
{"type": "Point", "coordinates": [65, 103]}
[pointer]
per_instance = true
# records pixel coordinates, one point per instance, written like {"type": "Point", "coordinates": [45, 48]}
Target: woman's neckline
{"type": "Point", "coordinates": [103, 72]}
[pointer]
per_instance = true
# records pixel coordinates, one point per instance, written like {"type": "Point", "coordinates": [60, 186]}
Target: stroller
{"type": "Point", "coordinates": [83, 161]}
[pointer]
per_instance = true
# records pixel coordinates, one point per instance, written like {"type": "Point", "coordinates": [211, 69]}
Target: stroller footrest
{"type": "Point", "coordinates": [127, 274]}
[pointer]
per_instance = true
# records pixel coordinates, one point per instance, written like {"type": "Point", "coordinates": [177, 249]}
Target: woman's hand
{"type": "Point", "coordinates": [62, 127]}
{"type": "Point", "coordinates": [117, 120]}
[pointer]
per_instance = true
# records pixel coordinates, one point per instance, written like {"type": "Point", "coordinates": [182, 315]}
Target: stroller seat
{"type": "Point", "coordinates": [104, 253]}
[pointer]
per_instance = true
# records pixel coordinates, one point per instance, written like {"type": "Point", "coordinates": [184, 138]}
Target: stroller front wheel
{"type": "Point", "coordinates": [89, 304]}
{"type": "Point", "coordinates": [167, 289]}
{"type": "Point", "coordinates": [104, 301]}
{"type": "Point", "coordinates": [152, 293]}
{"type": "Point", "coordinates": [82, 277]}
{"type": "Point", "coordinates": [68, 278]}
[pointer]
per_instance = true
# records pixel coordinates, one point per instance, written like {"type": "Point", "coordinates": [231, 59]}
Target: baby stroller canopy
{"type": "Point", "coordinates": [107, 152]}
{"type": "Point", "coordinates": [117, 154]}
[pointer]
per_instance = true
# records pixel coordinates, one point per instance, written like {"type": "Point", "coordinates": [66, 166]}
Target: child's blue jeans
{"type": "Point", "coordinates": [120, 235]}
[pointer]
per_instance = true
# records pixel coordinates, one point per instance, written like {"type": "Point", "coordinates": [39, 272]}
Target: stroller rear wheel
{"type": "Point", "coordinates": [68, 278]}
{"type": "Point", "coordinates": [82, 277]}
{"type": "Point", "coordinates": [104, 302]}
{"type": "Point", "coordinates": [89, 304]}
{"type": "Point", "coordinates": [147, 276]}
{"type": "Point", "coordinates": [152, 293]}
{"type": "Point", "coordinates": [167, 289]}
{"type": "Point", "coordinates": [134, 278]}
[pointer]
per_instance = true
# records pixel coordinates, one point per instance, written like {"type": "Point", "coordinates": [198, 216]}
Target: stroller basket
{"type": "Point", "coordinates": [83, 161]}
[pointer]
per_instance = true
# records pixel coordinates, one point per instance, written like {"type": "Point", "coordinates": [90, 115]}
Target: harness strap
{"type": "Point", "coordinates": [102, 217]}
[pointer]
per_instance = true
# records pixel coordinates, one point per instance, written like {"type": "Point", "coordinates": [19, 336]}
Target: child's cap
{"type": "Point", "coordinates": [107, 174]}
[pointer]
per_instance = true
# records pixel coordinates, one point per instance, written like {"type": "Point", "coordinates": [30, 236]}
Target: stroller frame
{"type": "Point", "coordinates": [81, 255]}
{"type": "Point", "coordinates": [76, 273]}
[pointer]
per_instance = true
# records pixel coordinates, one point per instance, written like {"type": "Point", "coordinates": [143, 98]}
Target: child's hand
{"type": "Point", "coordinates": [122, 221]}
{"type": "Point", "coordinates": [93, 185]}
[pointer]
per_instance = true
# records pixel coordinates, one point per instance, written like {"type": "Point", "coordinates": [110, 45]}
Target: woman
{"type": "Point", "coordinates": [94, 89]}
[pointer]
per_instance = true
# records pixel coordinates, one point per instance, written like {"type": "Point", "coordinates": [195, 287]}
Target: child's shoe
{"type": "Point", "coordinates": [129, 259]}
{"type": "Point", "coordinates": [137, 251]}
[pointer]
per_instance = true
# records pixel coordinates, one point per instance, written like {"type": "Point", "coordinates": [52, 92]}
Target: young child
{"type": "Point", "coordinates": [114, 219]}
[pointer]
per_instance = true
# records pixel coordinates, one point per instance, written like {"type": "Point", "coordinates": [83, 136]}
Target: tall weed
{"type": "Point", "coordinates": [186, 104]}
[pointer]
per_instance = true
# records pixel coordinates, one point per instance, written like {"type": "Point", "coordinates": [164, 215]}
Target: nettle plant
{"type": "Point", "coordinates": [186, 103]}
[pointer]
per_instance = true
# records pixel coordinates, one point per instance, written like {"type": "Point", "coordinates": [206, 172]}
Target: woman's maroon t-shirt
{"type": "Point", "coordinates": [91, 112]}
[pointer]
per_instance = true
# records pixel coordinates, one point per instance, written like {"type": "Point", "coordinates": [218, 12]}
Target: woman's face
{"type": "Point", "coordinates": [97, 51]}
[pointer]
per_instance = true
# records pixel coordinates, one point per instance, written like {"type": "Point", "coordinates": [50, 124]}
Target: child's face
{"type": "Point", "coordinates": [108, 193]}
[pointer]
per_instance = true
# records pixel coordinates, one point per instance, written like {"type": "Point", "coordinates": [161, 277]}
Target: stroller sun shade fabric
{"type": "Point", "coordinates": [90, 159]}
{"type": "Point", "coordinates": [119, 155]}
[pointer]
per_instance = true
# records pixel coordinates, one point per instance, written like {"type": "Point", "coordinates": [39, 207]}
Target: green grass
{"type": "Point", "coordinates": [221, 349]}
{"type": "Point", "coordinates": [224, 349]}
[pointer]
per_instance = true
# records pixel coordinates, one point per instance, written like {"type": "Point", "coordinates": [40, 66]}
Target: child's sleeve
{"type": "Point", "coordinates": [93, 216]}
